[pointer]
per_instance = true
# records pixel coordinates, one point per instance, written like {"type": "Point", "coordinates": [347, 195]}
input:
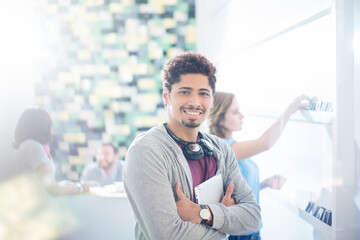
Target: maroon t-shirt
{"type": "Point", "coordinates": [202, 169]}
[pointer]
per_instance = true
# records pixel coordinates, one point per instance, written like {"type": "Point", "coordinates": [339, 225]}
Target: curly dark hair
{"type": "Point", "coordinates": [35, 124]}
{"type": "Point", "coordinates": [187, 62]}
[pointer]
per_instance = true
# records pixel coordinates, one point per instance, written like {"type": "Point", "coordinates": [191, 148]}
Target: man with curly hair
{"type": "Point", "coordinates": [166, 163]}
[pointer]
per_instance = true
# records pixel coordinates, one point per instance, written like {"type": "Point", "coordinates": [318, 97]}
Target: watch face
{"type": "Point", "coordinates": [204, 213]}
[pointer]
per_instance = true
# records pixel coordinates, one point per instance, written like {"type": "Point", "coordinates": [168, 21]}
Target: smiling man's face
{"type": "Point", "coordinates": [189, 102]}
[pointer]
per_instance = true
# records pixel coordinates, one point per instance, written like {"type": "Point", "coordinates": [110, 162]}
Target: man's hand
{"type": "Point", "coordinates": [227, 199]}
{"type": "Point", "coordinates": [88, 184]}
{"type": "Point", "coordinates": [187, 210]}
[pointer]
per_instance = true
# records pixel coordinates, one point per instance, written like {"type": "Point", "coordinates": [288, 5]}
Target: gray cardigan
{"type": "Point", "coordinates": [154, 163]}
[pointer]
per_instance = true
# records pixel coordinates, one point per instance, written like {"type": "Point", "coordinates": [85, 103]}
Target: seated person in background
{"type": "Point", "coordinates": [107, 169]}
{"type": "Point", "coordinates": [32, 134]}
{"type": "Point", "coordinates": [225, 119]}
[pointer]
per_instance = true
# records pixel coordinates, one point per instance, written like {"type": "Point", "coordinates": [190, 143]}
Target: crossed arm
{"type": "Point", "coordinates": [190, 211]}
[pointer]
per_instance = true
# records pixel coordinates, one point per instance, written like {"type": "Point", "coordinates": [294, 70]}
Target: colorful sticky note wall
{"type": "Point", "coordinates": [101, 76]}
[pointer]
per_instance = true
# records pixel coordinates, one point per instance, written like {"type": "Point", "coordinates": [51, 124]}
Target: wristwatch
{"type": "Point", "coordinates": [204, 213]}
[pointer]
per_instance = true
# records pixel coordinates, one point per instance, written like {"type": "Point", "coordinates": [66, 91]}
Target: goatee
{"type": "Point", "coordinates": [190, 124]}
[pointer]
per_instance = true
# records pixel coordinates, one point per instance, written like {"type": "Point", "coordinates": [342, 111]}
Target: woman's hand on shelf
{"type": "Point", "coordinates": [274, 182]}
{"type": "Point", "coordinates": [301, 102]}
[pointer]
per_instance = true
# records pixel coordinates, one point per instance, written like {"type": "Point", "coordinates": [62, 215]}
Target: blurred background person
{"type": "Point", "coordinates": [32, 136]}
{"type": "Point", "coordinates": [107, 169]}
{"type": "Point", "coordinates": [225, 119]}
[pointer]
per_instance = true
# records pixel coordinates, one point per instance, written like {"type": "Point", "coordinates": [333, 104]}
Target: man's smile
{"type": "Point", "coordinates": [192, 113]}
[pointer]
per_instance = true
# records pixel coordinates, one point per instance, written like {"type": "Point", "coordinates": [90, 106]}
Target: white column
{"type": "Point", "coordinates": [344, 167]}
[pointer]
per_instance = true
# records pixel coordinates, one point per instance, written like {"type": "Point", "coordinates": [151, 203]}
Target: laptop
{"type": "Point", "coordinates": [210, 191]}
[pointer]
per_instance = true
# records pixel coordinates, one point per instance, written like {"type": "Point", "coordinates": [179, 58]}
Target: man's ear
{"type": "Point", "coordinates": [166, 95]}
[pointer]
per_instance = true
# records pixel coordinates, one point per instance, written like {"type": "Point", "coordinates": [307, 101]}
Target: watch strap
{"type": "Point", "coordinates": [203, 207]}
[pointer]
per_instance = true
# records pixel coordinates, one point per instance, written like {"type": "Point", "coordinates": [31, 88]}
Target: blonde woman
{"type": "Point", "coordinates": [225, 118]}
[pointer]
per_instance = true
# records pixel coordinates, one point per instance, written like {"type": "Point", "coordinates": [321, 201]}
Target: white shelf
{"type": "Point", "coordinates": [291, 203]}
{"type": "Point", "coordinates": [316, 223]}
{"type": "Point", "coordinates": [306, 116]}
{"type": "Point", "coordinates": [317, 116]}
{"type": "Point", "coordinates": [325, 119]}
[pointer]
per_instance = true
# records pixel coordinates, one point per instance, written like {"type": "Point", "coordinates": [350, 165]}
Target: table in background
{"type": "Point", "coordinates": [99, 217]}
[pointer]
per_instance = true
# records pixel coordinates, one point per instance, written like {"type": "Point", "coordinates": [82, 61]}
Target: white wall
{"type": "Point", "coordinates": [270, 52]}
{"type": "Point", "coordinates": [17, 73]}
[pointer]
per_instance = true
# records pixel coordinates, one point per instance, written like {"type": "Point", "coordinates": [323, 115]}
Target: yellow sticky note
{"type": "Point", "coordinates": [74, 137]}
{"type": "Point", "coordinates": [75, 160]}
{"type": "Point", "coordinates": [146, 83]}
{"type": "Point", "coordinates": [116, 8]}
{"type": "Point", "coordinates": [155, 53]}
{"type": "Point", "coordinates": [169, 23]}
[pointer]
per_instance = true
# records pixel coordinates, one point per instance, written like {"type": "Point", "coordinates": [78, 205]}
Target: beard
{"type": "Point", "coordinates": [106, 165]}
{"type": "Point", "coordinates": [190, 124]}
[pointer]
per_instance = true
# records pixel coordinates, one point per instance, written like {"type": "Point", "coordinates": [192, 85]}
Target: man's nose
{"type": "Point", "coordinates": [194, 100]}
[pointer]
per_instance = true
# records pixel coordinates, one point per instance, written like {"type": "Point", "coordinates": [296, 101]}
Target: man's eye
{"type": "Point", "coordinates": [184, 92]}
{"type": "Point", "coordinates": [205, 94]}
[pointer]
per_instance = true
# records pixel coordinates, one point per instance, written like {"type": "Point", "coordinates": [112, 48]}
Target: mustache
{"type": "Point", "coordinates": [192, 108]}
